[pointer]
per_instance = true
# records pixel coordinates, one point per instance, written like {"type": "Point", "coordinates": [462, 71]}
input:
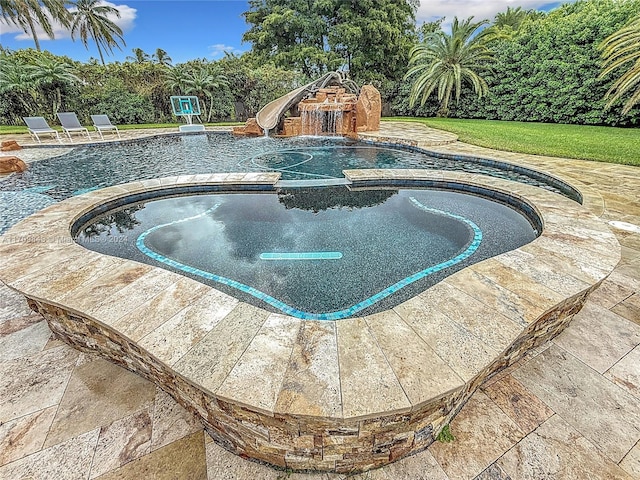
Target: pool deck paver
{"type": "Point", "coordinates": [313, 376]}
{"type": "Point", "coordinates": [586, 405]}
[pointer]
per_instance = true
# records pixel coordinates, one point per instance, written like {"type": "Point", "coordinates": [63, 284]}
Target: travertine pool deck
{"type": "Point", "coordinates": [537, 420]}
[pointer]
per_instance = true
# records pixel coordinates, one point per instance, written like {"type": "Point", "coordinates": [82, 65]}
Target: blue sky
{"type": "Point", "coordinates": [188, 29]}
{"type": "Point", "coordinates": [185, 29]}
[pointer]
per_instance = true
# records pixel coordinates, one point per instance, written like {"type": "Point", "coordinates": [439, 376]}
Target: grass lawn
{"type": "Point", "coordinates": [604, 144]}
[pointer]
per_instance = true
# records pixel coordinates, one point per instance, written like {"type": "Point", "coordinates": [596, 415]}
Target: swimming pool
{"type": "Point", "coordinates": [91, 167]}
{"type": "Point", "coordinates": [313, 253]}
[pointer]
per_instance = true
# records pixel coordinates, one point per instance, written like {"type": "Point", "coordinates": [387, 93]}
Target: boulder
{"type": "Point", "coordinates": [250, 128]}
{"type": "Point", "coordinates": [9, 146]}
{"type": "Point", "coordinates": [368, 109]}
{"type": "Point", "coordinates": [292, 127]}
{"type": "Point", "coordinates": [12, 164]}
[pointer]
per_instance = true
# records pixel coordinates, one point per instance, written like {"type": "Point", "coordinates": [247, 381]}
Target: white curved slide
{"type": "Point", "coordinates": [269, 115]}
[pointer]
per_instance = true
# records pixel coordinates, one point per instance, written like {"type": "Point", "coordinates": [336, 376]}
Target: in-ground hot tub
{"type": "Point", "coordinates": [323, 253]}
{"type": "Point", "coordinates": [346, 395]}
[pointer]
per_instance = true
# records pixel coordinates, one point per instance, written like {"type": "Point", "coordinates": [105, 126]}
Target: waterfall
{"type": "Point", "coordinates": [318, 122]}
{"type": "Point", "coordinates": [312, 120]}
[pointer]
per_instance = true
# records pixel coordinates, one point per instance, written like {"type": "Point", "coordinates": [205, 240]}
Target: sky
{"type": "Point", "coordinates": [196, 29]}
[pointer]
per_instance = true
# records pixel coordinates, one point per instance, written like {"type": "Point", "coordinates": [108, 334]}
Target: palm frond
{"type": "Point", "coordinates": [443, 62]}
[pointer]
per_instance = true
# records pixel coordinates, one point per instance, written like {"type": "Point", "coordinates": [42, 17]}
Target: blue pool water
{"type": "Point", "coordinates": [87, 168]}
{"type": "Point", "coordinates": [314, 253]}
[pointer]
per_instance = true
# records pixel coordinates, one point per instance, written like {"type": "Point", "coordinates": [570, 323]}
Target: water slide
{"type": "Point", "coordinates": [269, 115]}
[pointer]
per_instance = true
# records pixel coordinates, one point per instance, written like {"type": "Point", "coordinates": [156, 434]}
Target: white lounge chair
{"type": "Point", "coordinates": [38, 126]}
{"type": "Point", "coordinates": [71, 124]}
{"type": "Point", "coordinates": [102, 123]}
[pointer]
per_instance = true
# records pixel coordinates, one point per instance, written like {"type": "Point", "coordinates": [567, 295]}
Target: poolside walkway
{"type": "Point", "coordinates": [571, 410]}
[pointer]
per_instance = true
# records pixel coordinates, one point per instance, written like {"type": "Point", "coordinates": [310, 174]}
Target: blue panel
{"type": "Point", "coordinates": [301, 256]}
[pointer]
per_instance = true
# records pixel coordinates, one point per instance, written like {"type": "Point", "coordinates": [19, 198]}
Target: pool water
{"type": "Point", "coordinates": [315, 253]}
{"type": "Point", "coordinates": [88, 168]}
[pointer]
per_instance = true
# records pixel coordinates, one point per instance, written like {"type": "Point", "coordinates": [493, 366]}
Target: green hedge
{"type": "Point", "coordinates": [548, 72]}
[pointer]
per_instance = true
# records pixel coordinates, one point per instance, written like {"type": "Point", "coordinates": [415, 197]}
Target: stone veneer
{"type": "Point", "coordinates": [342, 396]}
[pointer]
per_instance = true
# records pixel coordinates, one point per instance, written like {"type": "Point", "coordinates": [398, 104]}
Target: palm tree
{"type": "Point", "coordinates": [139, 56]}
{"type": "Point", "coordinates": [512, 18]}
{"type": "Point", "coordinates": [198, 82]}
{"type": "Point", "coordinates": [31, 14]}
{"type": "Point", "coordinates": [622, 50]}
{"type": "Point", "coordinates": [162, 58]}
{"type": "Point", "coordinates": [15, 84]}
{"type": "Point", "coordinates": [175, 79]}
{"type": "Point", "coordinates": [443, 61]}
{"type": "Point", "coordinates": [51, 74]}
{"type": "Point", "coordinates": [507, 23]}
{"type": "Point", "coordinates": [89, 20]}
{"type": "Point", "coordinates": [205, 81]}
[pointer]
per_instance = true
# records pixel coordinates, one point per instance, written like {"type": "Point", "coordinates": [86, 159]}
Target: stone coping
{"type": "Point", "coordinates": [343, 396]}
{"type": "Point", "coordinates": [409, 133]}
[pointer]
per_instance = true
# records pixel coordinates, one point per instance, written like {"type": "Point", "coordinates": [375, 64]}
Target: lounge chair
{"type": "Point", "coordinates": [102, 122]}
{"type": "Point", "coordinates": [71, 124]}
{"type": "Point", "coordinates": [38, 126]}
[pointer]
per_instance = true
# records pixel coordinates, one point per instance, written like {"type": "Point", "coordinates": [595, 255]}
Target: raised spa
{"type": "Point", "coordinates": [313, 253]}
{"type": "Point", "coordinates": [340, 396]}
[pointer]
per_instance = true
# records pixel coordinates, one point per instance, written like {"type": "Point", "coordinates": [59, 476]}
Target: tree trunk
{"type": "Point", "coordinates": [204, 109]}
{"type": "Point", "coordinates": [57, 101]}
{"type": "Point", "coordinates": [240, 110]}
{"type": "Point", "coordinates": [33, 32]}
{"type": "Point", "coordinates": [442, 112]}
{"type": "Point", "coordinates": [100, 53]}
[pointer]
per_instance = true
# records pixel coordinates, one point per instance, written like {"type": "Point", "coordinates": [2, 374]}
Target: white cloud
{"type": "Point", "coordinates": [430, 10]}
{"type": "Point", "coordinates": [125, 22]}
{"type": "Point", "coordinates": [218, 50]}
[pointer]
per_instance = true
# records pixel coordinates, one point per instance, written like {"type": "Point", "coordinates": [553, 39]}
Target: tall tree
{"type": "Point", "coordinates": [31, 14]}
{"type": "Point", "coordinates": [443, 61]}
{"type": "Point", "coordinates": [291, 33]}
{"type": "Point", "coordinates": [427, 28]}
{"type": "Point", "coordinates": [139, 56]}
{"type": "Point", "coordinates": [621, 50]}
{"type": "Point", "coordinates": [161, 57]}
{"type": "Point", "coordinates": [90, 20]}
{"type": "Point", "coordinates": [373, 37]}
{"type": "Point", "coordinates": [365, 36]}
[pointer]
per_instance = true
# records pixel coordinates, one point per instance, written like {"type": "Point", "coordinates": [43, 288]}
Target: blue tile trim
{"type": "Point", "coordinates": [520, 205]}
{"type": "Point", "coordinates": [294, 312]}
{"type": "Point", "coordinates": [165, 192]}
